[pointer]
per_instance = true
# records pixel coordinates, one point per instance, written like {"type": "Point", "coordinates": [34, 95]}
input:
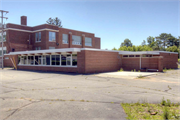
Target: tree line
{"type": "Point", "coordinates": [163, 42]}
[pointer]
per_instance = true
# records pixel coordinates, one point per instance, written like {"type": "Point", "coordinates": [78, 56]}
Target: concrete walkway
{"type": "Point", "coordinates": [126, 74]}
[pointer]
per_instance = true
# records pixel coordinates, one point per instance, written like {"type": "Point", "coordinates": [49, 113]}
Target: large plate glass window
{"type": "Point", "coordinates": [30, 60]}
{"type": "Point", "coordinates": [68, 60]}
{"type": "Point", "coordinates": [88, 41]}
{"type": "Point", "coordinates": [65, 38]}
{"type": "Point", "coordinates": [76, 40]}
{"type": "Point", "coordinates": [47, 59]}
{"type": "Point", "coordinates": [74, 59]}
{"type": "Point", "coordinates": [52, 36]}
{"type": "Point", "coordinates": [38, 37]}
{"type": "Point", "coordinates": [63, 60]}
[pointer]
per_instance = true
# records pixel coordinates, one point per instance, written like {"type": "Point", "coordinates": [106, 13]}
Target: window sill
{"type": "Point", "coordinates": [88, 45]}
{"type": "Point", "coordinates": [76, 44]}
{"type": "Point", "coordinates": [52, 41]}
{"type": "Point", "coordinates": [38, 41]}
{"type": "Point", "coordinates": [50, 66]}
{"type": "Point", "coordinates": [66, 43]}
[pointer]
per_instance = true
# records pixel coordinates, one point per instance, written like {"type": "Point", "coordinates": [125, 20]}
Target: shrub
{"type": "Point", "coordinates": [120, 70]}
{"type": "Point", "coordinates": [166, 115]}
{"type": "Point", "coordinates": [163, 102]}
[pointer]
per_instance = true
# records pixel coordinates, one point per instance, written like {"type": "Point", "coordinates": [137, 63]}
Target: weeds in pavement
{"type": "Point", "coordinates": [121, 70]}
{"type": "Point", "coordinates": [165, 110]}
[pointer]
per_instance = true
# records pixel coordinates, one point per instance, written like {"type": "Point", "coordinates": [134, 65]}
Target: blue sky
{"type": "Point", "coordinates": [111, 20]}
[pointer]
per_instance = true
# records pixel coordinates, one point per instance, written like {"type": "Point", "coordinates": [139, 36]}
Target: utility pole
{"type": "Point", "coordinates": [2, 12]}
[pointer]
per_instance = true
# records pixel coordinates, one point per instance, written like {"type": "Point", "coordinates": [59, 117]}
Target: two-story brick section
{"type": "Point", "coordinates": [51, 48]}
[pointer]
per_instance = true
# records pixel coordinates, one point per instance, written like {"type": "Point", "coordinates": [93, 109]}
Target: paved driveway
{"type": "Point", "coordinates": [29, 95]}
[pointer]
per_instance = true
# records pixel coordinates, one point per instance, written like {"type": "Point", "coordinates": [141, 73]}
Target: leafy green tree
{"type": "Point", "coordinates": [163, 38]}
{"type": "Point", "coordinates": [150, 41]}
{"type": "Point", "coordinates": [126, 43]}
{"type": "Point", "coordinates": [172, 49]}
{"type": "Point", "coordinates": [143, 43]}
{"type": "Point", "coordinates": [114, 48]}
{"type": "Point", "coordinates": [56, 21]}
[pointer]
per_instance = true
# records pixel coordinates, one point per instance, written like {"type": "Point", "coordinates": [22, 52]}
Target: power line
{"type": "Point", "coordinates": [2, 12]}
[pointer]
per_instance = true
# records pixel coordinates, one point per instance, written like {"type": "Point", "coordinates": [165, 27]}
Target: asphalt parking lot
{"type": "Point", "coordinates": [28, 95]}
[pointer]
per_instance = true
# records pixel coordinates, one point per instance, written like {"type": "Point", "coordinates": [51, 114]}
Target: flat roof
{"type": "Point", "coordinates": [65, 50]}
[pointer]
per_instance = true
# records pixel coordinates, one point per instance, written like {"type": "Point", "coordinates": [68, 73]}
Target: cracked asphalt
{"type": "Point", "coordinates": [28, 95]}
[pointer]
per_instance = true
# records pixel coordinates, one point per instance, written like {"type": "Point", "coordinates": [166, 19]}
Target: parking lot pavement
{"type": "Point", "coordinates": [27, 95]}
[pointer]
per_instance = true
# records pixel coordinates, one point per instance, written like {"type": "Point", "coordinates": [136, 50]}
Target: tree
{"type": "Point", "coordinates": [150, 41]}
{"type": "Point", "coordinates": [126, 43]}
{"type": "Point", "coordinates": [114, 48]}
{"type": "Point", "coordinates": [56, 21]}
{"type": "Point", "coordinates": [143, 43]}
{"type": "Point", "coordinates": [163, 37]}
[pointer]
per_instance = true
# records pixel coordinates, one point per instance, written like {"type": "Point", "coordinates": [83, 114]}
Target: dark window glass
{"type": "Point", "coordinates": [68, 60]}
{"type": "Point", "coordinates": [48, 60]}
{"type": "Point", "coordinates": [131, 55]}
{"type": "Point", "coordinates": [74, 59]}
{"type": "Point", "coordinates": [36, 60]}
{"type": "Point", "coordinates": [137, 55]}
{"type": "Point", "coordinates": [57, 59]}
{"type": "Point", "coordinates": [53, 60]}
{"type": "Point", "coordinates": [63, 59]}
{"type": "Point", "coordinates": [125, 55]}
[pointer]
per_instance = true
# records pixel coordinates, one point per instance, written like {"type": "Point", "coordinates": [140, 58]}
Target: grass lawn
{"type": "Point", "coordinates": [165, 110]}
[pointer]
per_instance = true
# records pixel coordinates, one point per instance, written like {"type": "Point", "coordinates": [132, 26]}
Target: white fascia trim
{"type": "Point", "coordinates": [46, 51]}
{"type": "Point", "coordinates": [32, 31]}
{"type": "Point", "coordinates": [93, 49]}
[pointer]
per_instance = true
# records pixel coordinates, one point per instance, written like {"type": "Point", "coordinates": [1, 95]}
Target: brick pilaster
{"type": "Point", "coordinates": [70, 39]}
{"type": "Point", "coordinates": [160, 64]}
{"type": "Point", "coordinates": [83, 41]}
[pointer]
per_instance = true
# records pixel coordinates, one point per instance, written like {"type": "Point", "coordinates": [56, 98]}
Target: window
{"type": "Point", "coordinates": [63, 59]}
{"type": "Point", "coordinates": [22, 60]}
{"type": "Point", "coordinates": [88, 41]}
{"type": "Point", "coordinates": [74, 60]}
{"type": "Point", "coordinates": [51, 47]}
{"type": "Point", "coordinates": [30, 60]}
{"type": "Point", "coordinates": [4, 52]}
{"type": "Point", "coordinates": [4, 36]}
{"type": "Point", "coordinates": [38, 48]}
{"type": "Point", "coordinates": [125, 55]}
{"type": "Point", "coordinates": [38, 37]}
{"type": "Point", "coordinates": [65, 39]}
{"type": "Point", "coordinates": [52, 36]}
{"type": "Point", "coordinates": [68, 60]}
{"type": "Point", "coordinates": [76, 40]}
{"type": "Point", "coordinates": [137, 55]}
{"type": "Point", "coordinates": [47, 60]}
{"type": "Point", "coordinates": [131, 55]}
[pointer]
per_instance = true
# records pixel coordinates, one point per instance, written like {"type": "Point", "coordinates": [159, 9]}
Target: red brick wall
{"type": "Point", "coordinates": [44, 68]}
{"type": "Point", "coordinates": [150, 63]}
{"type": "Point", "coordinates": [97, 43]}
{"type": "Point", "coordinates": [130, 63]}
{"type": "Point", "coordinates": [101, 61]}
{"type": "Point", "coordinates": [170, 60]}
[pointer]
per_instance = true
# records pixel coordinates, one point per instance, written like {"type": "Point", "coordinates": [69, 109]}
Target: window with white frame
{"type": "Point", "coordinates": [38, 37]}
{"type": "Point", "coordinates": [65, 38]}
{"type": "Point", "coordinates": [51, 47]}
{"type": "Point", "coordinates": [88, 41]}
{"type": "Point", "coordinates": [38, 48]}
{"type": "Point", "coordinates": [4, 36]}
{"type": "Point", "coordinates": [76, 40]}
{"type": "Point", "coordinates": [52, 36]}
{"type": "Point", "coordinates": [47, 60]}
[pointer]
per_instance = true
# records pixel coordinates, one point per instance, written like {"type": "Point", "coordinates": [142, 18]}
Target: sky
{"type": "Point", "coordinates": [111, 20]}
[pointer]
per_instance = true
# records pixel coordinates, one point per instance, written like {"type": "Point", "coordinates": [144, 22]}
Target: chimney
{"type": "Point", "coordinates": [23, 20]}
